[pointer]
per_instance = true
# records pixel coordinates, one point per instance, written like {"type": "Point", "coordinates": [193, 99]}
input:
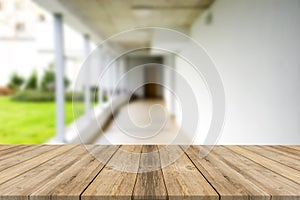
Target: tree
{"type": "Point", "coordinates": [48, 80]}
{"type": "Point", "coordinates": [32, 82]}
{"type": "Point", "coordinates": [15, 82]}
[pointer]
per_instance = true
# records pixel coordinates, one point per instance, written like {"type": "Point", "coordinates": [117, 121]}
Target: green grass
{"type": "Point", "coordinates": [30, 123]}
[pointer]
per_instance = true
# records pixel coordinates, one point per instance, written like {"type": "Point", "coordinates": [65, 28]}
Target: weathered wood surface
{"type": "Point", "coordinates": [136, 172]}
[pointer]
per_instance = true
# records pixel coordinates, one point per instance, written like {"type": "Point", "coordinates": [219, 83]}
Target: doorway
{"type": "Point", "coordinates": [152, 89]}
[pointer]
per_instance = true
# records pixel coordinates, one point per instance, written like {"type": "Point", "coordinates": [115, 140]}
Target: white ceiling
{"type": "Point", "coordinates": [109, 17]}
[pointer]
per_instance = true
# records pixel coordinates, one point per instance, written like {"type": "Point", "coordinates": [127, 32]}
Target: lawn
{"type": "Point", "coordinates": [29, 123]}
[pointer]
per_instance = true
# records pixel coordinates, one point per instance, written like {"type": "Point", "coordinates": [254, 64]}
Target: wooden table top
{"type": "Point", "coordinates": [71, 172]}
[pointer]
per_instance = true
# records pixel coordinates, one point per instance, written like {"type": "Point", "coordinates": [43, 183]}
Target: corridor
{"type": "Point", "coordinates": [144, 121]}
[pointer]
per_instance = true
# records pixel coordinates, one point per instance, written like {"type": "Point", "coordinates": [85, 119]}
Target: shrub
{"type": "Point", "coordinates": [77, 96]}
{"type": "Point", "coordinates": [48, 80]}
{"type": "Point", "coordinates": [45, 96]}
{"type": "Point", "coordinates": [32, 82]}
{"type": "Point", "coordinates": [15, 82]}
{"type": "Point", "coordinates": [34, 96]}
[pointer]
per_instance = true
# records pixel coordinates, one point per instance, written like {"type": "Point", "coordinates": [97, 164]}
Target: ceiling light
{"type": "Point", "coordinates": [142, 11]}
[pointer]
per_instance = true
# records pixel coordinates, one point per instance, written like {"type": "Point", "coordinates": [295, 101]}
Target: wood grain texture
{"type": "Point", "coordinates": [2, 147]}
{"type": "Point", "coordinates": [277, 156]}
{"type": "Point", "coordinates": [291, 151]}
{"type": "Point", "coordinates": [11, 149]}
{"type": "Point", "coordinates": [116, 181]}
{"type": "Point", "coordinates": [148, 172]}
{"type": "Point", "coordinates": [70, 184]}
{"type": "Point", "coordinates": [29, 181]}
{"type": "Point", "coordinates": [182, 178]}
{"type": "Point", "coordinates": [229, 183]}
{"type": "Point", "coordinates": [278, 186]}
{"type": "Point", "coordinates": [27, 165]}
{"type": "Point", "coordinates": [150, 182]}
{"type": "Point", "coordinates": [277, 167]}
{"type": "Point", "coordinates": [17, 157]}
{"type": "Point", "coordinates": [294, 147]}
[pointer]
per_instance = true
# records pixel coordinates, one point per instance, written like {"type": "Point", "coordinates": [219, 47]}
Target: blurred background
{"type": "Point", "coordinates": [27, 103]}
{"type": "Point", "coordinates": [255, 46]}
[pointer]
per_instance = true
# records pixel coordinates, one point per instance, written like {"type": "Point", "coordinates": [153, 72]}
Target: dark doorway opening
{"type": "Point", "coordinates": [152, 91]}
{"type": "Point", "coordinates": [153, 76]}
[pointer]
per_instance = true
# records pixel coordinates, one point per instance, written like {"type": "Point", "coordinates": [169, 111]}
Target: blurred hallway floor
{"type": "Point", "coordinates": [142, 122]}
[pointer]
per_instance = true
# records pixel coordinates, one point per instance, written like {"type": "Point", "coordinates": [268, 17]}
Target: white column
{"type": "Point", "coordinates": [112, 80]}
{"type": "Point", "coordinates": [119, 76]}
{"type": "Point", "coordinates": [87, 90]}
{"type": "Point", "coordinates": [123, 76]}
{"type": "Point", "coordinates": [173, 87]}
{"type": "Point", "coordinates": [122, 72]}
{"type": "Point", "coordinates": [169, 81]}
{"type": "Point", "coordinates": [59, 77]}
{"type": "Point", "coordinates": [101, 65]}
{"type": "Point", "coordinates": [105, 79]}
{"type": "Point", "coordinates": [116, 76]}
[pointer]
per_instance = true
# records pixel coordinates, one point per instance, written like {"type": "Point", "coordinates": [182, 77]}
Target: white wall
{"type": "Point", "coordinates": [256, 47]}
{"type": "Point", "coordinates": [169, 82]}
{"type": "Point", "coordinates": [194, 101]}
{"type": "Point", "coordinates": [137, 78]}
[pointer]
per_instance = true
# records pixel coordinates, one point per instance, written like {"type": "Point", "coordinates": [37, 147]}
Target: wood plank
{"type": "Point", "coordinates": [279, 187]}
{"type": "Point", "coordinates": [6, 146]}
{"type": "Point", "coordinates": [280, 157]}
{"type": "Point", "coordinates": [27, 165]}
{"type": "Point", "coordinates": [21, 150]}
{"type": "Point", "coordinates": [277, 167]}
{"type": "Point", "coordinates": [116, 184]}
{"type": "Point", "coordinates": [150, 182]}
{"type": "Point", "coordinates": [229, 183]}
{"type": "Point", "coordinates": [70, 172]}
{"type": "Point", "coordinates": [182, 179]}
{"type": "Point", "coordinates": [293, 152]}
{"type": "Point", "coordinates": [26, 183]}
{"type": "Point", "coordinates": [23, 155]}
{"type": "Point", "coordinates": [12, 149]}
{"type": "Point", "coordinates": [294, 147]}
{"type": "Point", "coordinates": [70, 184]}
{"type": "Point", "coordinates": [281, 151]}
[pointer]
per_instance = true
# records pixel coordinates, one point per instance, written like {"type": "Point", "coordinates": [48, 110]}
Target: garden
{"type": "Point", "coordinates": [27, 109]}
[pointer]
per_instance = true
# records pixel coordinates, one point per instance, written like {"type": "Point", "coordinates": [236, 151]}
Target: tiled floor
{"type": "Point", "coordinates": [142, 122]}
